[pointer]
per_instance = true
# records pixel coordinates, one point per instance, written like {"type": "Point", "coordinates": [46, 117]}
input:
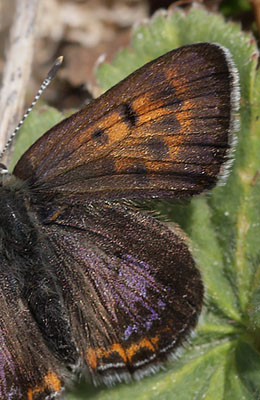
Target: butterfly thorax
{"type": "Point", "coordinates": [17, 229]}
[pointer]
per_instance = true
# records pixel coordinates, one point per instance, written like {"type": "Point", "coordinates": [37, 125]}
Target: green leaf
{"type": "Point", "coordinates": [254, 307]}
{"type": "Point", "coordinates": [234, 7]}
{"type": "Point", "coordinates": [37, 123]}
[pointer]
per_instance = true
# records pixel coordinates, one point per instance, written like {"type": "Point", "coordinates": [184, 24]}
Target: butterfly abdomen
{"type": "Point", "coordinates": [28, 255]}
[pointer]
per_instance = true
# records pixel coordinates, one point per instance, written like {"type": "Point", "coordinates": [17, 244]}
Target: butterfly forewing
{"type": "Point", "coordinates": [163, 131]}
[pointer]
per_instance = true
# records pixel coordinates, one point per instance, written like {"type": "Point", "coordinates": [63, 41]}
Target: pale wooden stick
{"type": "Point", "coordinates": [17, 68]}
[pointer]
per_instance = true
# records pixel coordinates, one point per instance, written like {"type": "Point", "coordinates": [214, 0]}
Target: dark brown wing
{"type": "Point", "coordinates": [28, 371]}
{"type": "Point", "coordinates": [163, 131]}
{"type": "Point", "coordinates": [130, 286]}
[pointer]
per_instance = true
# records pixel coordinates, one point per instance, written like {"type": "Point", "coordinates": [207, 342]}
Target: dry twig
{"type": "Point", "coordinates": [17, 68]}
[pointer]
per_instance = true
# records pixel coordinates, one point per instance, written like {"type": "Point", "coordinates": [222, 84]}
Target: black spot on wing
{"type": "Point", "coordinates": [100, 136]}
{"type": "Point", "coordinates": [129, 115]}
{"type": "Point", "coordinates": [136, 168]}
{"type": "Point", "coordinates": [156, 147]}
{"type": "Point", "coordinates": [165, 91]}
{"type": "Point", "coordinates": [167, 123]}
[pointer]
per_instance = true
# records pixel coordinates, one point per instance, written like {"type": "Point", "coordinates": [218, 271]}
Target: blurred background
{"type": "Point", "coordinates": [86, 31]}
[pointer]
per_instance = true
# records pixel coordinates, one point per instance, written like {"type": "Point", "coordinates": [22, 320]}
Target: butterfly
{"type": "Point", "coordinates": [88, 282]}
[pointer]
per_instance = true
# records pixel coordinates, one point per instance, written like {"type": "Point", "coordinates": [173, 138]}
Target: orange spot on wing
{"type": "Point", "coordinates": [92, 355]}
{"type": "Point", "coordinates": [118, 349]}
{"type": "Point", "coordinates": [115, 128]}
{"type": "Point", "coordinates": [134, 348]}
{"type": "Point", "coordinates": [91, 358]}
{"type": "Point", "coordinates": [155, 340]}
{"type": "Point", "coordinates": [57, 213]}
{"type": "Point", "coordinates": [141, 102]}
{"type": "Point", "coordinates": [146, 109]}
{"type": "Point", "coordinates": [53, 381]}
{"type": "Point", "coordinates": [50, 381]}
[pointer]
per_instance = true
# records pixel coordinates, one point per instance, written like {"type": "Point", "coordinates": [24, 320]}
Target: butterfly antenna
{"type": "Point", "coordinates": [51, 74]}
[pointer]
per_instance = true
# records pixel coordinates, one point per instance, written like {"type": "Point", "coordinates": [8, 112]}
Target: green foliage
{"type": "Point", "coordinates": [234, 7]}
{"type": "Point", "coordinates": [35, 125]}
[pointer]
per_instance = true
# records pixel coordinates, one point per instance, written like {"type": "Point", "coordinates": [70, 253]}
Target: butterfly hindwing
{"type": "Point", "coordinates": [131, 287]}
{"type": "Point", "coordinates": [28, 370]}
